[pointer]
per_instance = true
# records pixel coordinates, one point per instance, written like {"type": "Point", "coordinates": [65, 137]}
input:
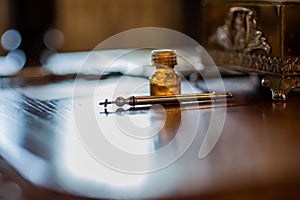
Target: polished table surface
{"type": "Point", "coordinates": [256, 154]}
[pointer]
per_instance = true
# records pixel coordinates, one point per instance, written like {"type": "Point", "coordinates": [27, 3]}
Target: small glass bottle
{"type": "Point", "coordinates": [164, 81]}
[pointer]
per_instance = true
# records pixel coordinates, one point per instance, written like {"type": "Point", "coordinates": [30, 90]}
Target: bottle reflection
{"type": "Point", "coordinates": [170, 118]}
{"type": "Point", "coordinates": [165, 122]}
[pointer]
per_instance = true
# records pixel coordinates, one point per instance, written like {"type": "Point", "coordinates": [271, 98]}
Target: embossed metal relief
{"type": "Point", "coordinates": [239, 45]}
{"type": "Point", "coordinates": [240, 32]}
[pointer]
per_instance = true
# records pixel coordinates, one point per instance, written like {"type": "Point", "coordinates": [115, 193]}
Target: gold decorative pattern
{"type": "Point", "coordinates": [262, 64]}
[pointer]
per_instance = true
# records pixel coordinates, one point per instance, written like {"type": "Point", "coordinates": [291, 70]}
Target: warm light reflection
{"type": "Point", "coordinates": [99, 62]}
{"type": "Point", "coordinates": [83, 168]}
{"type": "Point", "coordinates": [134, 62]}
{"type": "Point", "coordinates": [65, 63]}
{"type": "Point", "coordinates": [124, 133]}
{"type": "Point", "coordinates": [18, 157]}
{"type": "Point", "coordinates": [13, 62]}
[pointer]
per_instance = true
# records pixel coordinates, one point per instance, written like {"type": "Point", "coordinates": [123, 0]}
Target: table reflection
{"type": "Point", "coordinates": [41, 140]}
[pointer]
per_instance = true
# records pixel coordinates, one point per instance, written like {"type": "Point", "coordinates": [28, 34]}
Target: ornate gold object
{"type": "Point", "coordinates": [239, 33]}
{"type": "Point", "coordinates": [243, 44]}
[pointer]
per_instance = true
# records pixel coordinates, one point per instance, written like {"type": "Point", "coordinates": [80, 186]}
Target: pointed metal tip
{"type": "Point", "coordinates": [229, 95]}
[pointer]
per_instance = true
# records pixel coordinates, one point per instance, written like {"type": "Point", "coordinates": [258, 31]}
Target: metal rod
{"type": "Point", "coordinates": [170, 99]}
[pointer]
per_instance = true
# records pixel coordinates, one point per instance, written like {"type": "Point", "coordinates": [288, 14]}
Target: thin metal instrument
{"type": "Point", "coordinates": [170, 99]}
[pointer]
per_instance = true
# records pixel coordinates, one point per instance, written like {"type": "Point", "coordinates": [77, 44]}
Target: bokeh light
{"type": "Point", "coordinates": [53, 39]}
{"type": "Point", "coordinates": [11, 39]}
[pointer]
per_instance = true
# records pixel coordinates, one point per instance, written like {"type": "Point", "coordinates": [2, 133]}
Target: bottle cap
{"type": "Point", "coordinates": [164, 57]}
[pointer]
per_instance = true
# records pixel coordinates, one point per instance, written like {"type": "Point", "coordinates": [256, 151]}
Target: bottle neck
{"type": "Point", "coordinates": [164, 68]}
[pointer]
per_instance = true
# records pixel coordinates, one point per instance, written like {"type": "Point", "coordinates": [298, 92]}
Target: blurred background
{"type": "Point", "coordinates": [32, 30]}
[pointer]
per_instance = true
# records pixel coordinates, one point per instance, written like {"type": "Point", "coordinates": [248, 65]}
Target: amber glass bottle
{"type": "Point", "coordinates": [164, 81]}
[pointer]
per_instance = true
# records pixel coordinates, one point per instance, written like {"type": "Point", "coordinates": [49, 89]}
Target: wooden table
{"type": "Point", "coordinates": [43, 157]}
